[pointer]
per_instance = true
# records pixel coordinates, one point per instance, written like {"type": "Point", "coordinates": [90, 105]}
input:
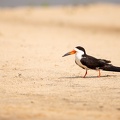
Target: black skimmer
{"type": "Point", "coordinates": [88, 62]}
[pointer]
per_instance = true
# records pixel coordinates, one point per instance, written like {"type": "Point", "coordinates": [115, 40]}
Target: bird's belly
{"type": "Point", "coordinates": [77, 61]}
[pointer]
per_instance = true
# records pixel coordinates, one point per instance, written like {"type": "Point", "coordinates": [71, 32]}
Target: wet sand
{"type": "Point", "coordinates": [37, 83]}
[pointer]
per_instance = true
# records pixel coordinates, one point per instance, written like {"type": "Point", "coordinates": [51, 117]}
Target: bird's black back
{"type": "Point", "coordinates": [93, 63]}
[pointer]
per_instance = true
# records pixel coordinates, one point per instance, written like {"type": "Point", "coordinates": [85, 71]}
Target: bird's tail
{"type": "Point", "coordinates": [110, 67]}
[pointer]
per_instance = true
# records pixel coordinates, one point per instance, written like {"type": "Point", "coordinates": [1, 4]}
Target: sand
{"type": "Point", "coordinates": [36, 83]}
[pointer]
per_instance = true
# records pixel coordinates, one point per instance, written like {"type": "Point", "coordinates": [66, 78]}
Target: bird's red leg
{"type": "Point", "coordinates": [99, 73]}
{"type": "Point", "coordinates": [85, 74]}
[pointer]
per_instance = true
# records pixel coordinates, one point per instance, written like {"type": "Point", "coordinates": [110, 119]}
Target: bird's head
{"type": "Point", "coordinates": [78, 49]}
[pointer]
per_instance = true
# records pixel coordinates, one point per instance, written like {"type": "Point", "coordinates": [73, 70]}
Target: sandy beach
{"type": "Point", "coordinates": [37, 83]}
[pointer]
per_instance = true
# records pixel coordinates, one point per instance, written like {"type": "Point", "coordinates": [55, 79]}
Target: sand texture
{"type": "Point", "coordinates": [36, 83]}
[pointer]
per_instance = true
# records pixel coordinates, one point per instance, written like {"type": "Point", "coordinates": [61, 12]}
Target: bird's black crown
{"type": "Point", "coordinates": [81, 48]}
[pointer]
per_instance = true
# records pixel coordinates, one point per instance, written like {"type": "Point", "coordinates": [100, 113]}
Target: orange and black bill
{"type": "Point", "coordinates": [69, 53]}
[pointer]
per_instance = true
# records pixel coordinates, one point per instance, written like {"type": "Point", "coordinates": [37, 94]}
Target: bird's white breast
{"type": "Point", "coordinates": [78, 57]}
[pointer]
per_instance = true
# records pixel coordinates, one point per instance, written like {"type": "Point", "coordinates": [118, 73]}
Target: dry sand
{"type": "Point", "coordinates": [36, 83]}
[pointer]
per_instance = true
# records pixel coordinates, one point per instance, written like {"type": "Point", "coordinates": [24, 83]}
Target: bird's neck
{"type": "Point", "coordinates": [79, 54]}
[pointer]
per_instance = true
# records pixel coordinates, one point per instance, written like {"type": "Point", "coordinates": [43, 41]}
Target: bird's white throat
{"type": "Point", "coordinates": [79, 53]}
{"type": "Point", "coordinates": [78, 57]}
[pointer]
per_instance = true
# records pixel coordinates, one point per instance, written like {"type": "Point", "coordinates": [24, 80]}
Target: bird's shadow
{"type": "Point", "coordinates": [74, 77]}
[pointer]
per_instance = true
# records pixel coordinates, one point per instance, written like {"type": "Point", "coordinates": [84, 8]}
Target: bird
{"type": "Point", "coordinates": [88, 62]}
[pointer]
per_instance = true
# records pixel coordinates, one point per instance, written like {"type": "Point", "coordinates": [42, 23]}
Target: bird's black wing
{"type": "Point", "coordinates": [110, 67]}
{"type": "Point", "coordinates": [92, 62]}
{"type": "Point", "coordinates": [105, 61]}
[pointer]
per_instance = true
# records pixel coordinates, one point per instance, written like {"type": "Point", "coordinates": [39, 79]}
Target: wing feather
{"type": "Point", "coordinates": [93, 63]}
